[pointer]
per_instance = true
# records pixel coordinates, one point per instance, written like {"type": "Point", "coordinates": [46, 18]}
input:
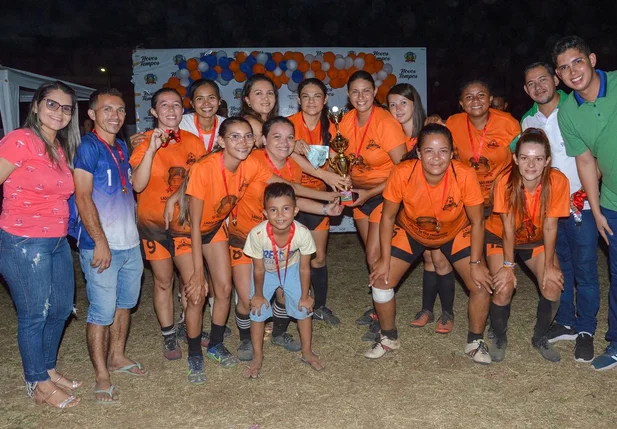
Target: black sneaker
{"type": "Point", "coordinates": [583, 351]}
{"type": "Point", "coordinates": [559, 332]}
{"type": "Point", "coordinates": [497, 349]}
{"type": "Point", "coordinates": [325, 314]}
{"type": "Point", "coordinates": [227, 332]}
{"type": "Point", "coordinates": [245, 351]}
{"type": "Point", "coordinates": [368, 317]}
{"type": "Point", "coordinates": [546, 349]}
{"type": "Point", "coordinates": [196, 373]}
{"type": "Point", "coordinates": [374, 332]}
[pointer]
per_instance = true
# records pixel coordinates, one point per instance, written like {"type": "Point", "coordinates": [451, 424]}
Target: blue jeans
{"type": "Point", "coordinates": [577, 250]}
{"type": "Point", "coordinates": [39, 272]}
{"type": "Point", "coordinates": [116, 287]}
{"type": "Point", "coordinates": [611, 218]}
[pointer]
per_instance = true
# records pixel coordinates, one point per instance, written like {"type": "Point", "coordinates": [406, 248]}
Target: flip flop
{"type": "Point", "coordinates": [109, 392]}
{"type": "Point", "coordinates": [250, 375]}
{"type": "Point", "coordinates": [310, 363]}
{"type": "Point", "coordinates": [127, 370]}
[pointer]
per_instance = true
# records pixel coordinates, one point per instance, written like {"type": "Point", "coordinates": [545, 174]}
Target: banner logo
{"type": "Point", "coordinates": [178, 58]}
{"type": "Point", "coordinates": [410, 57]}
{"type": "Point", "coordinates": [150, 79]}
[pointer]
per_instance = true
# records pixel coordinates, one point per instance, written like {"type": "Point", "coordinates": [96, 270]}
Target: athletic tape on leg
{"type": "Point", "coordinates": [381, 296]}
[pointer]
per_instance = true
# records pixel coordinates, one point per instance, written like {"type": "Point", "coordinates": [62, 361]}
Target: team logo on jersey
{"type": "Point", "coordinates": [183, 244]}
{"type": "Point", "coordinates": [410, 57]}
{"type": "Point", "coordinates": [191, 159]}
{"type": "Point", "coordinates": [427, 223]}
{"type": "Point", "coordinates": [150, 78]}
{"type": "Point", "coordinates": [227, 203]}
{"type": "Point", "coordinates": [372, 145]}
{"type": "Point", "coordinates": [178, 58]}
{"type": "Point", "coordinates": [237, 93]}
{"type": "Point", "coordinates": [481, 165]}
{"type": "Point", "coordinates": [450, 204]}
{"type": "Point", "coordinates": [492, 144]}
{"type": "Point", "coordinates": [175, 178]}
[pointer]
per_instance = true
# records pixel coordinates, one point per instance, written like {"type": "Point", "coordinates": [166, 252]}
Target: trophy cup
{"type": "Point", "coordinates": [341, 163]}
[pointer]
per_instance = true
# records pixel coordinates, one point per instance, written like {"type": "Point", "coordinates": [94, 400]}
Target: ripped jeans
{"type": "Point", "coordinates": [39, 272]}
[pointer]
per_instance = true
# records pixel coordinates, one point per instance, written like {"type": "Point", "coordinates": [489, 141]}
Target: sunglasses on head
{"type": "Point", "coordinates": [54, 105]}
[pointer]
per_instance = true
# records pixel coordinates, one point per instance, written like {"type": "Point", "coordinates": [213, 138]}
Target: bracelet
{"type": "Point", "coordinates": [324, 209]}
{"type": "Point", "coordinates": [475, 262]}
{"type": "Point", "coordinates": [508, 264]}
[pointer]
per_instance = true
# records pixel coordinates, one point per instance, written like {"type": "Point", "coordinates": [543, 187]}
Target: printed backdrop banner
{"type": "Point", "coordinates": [287, 67]}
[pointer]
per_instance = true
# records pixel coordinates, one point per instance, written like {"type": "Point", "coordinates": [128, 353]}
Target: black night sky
{"type": "Point", "coordinates": [492, 39]}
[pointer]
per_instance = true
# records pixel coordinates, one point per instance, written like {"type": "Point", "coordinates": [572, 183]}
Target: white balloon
{"type": "Point", "coordinates": [221, 54]}
{"type": "Point", "coordinates": [339, 56]}
{"type": "Point", "coordinates": [293, 86]}
{"type": "Point", "coordinates": [288, 73]}
{"type": "Point", "coordinates": [292, 65]}
{"type": "Point", "coordinates": [326, 80]}
{"type": "Point", "coordinates": [309, 57]}
{"type": "Point", "coordinates": [277, 71]}
{"type": "Point", "coordinates": [387, 68]}
{"type": "Point", "coordinates": [262, 57]}
{"type": "Point", "coordinates": [183, 73]}
{"type": "Point", "coordinates": [222, 81]}
{"type": "Point", "coordinates": [374, 75]}
{"type": "Point", "coordinates": [359, 63]}
{"type": "Point", "coordinates": [348, 62]}
{"type": "Point", "coordinates": [184, 82]}
{"type": "Point", "coordinates": [325, 66]}
{"type": "Point", "coordinates": [309, 74]}
{"type": "Point", "coordinates": [203, 66]}
{"type": "Point", "coordinates": [339, 63]}
{"type": "Point", "coordinates": [378, 83]}
{"type": "Point", "coordinates": [319, 58]}
{"type": "Point", "coordinates": [382, 75]}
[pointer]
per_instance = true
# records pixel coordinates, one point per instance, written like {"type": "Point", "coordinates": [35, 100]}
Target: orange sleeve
{"type": "Point", "coordinates": [471, 191]}
{"type": "Point", "coordinates": [197, 185]}
{"type": "Point", "coordinates": [138, 154]}
{"type": "Point", "coordinates": [499, 201]}
{"type": "Point", "coordinates": [256, 171]}
{"type": "Point", "coordinates": [391, 132]}
{"type": "Point", "coordinates": [396, 183]}
{"type": "Point", "coordinates": [559, 205]}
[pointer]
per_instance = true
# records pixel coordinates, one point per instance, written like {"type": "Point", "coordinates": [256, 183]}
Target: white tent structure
{"type": "Point", "coordinates": [18, 86]}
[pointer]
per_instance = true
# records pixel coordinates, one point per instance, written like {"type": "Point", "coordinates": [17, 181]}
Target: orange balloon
{"type": "Point", "coordinates": [369, 67]}
{"type": "Point", "coordinates": [269, 74]}
{"type": "Point", "coordinates": [191, 64]}
{"type": "Point", "coordinates": [174, 82]}
{"type": "Point", "coordinates": [362, 55]}
{"type": "Point", "coordinates": [299, 57]}
{"type": "Point", "coordinates": [186, 102]}
{"type": "Point", "coordinates": [369, 58]}
{"type": "Point", "coordinates": [195, 74]}
{"type": "Point", "coordinates": [390, 80]}
{"type": "Point", "coordinates": [352, 70]}
{"type": "Point", "coordinates": [288, 55]}
{"type": "Point", "coordinates": [352, 55]}
{"type": "Point", "coordinates": [333, 73]}
{"type": "Point", "coordinates": [378, 65]}
{"type": "Point", "coordinates": [342, 74]}
{"type": "Point", "coordinates": [277, 81]}
{"type": "Point", "coordinates": [234, 66]}
{"type": "Point", "coordinates": [277, 57]}
{"type": "Point", "coordinates": [239, 76]}
{"type": "Point", "coordinates": [320, 74]}
{"type": "Point", "coordinates": [254, 53]}
{"type": "Point", "coordinates": [284, 78]}
{"type": "Point", "coordinates": [329, 57]}
{"type": "Point", "coordinates": [182, 90]}
{"type": "Point", "coordinates": [259, 68]}
{"type": "Point", "coordinates": [304, 66]}
{"type": "Point", "coordinates": [315, 65]}
{"type": "Point", "coordinates": [218, 69]}
{"type": "Point", "coordinates": [240, 57]}
{"type": "Point", "coordinates": [166, 85]}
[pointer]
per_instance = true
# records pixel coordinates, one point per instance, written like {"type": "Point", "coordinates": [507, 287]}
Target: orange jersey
{"type": "Point", "coordinates": [558, 206]}
{"type": "Point", "coordinates": [312, 138]}
{"type": "Point", "coordinates": [206, 183]}
{"type": "Point", "coordinates": [433, 215]}
{"type": "Point", "coordinates": [411, 143]}
{"type": "Point", "coordinates": [169, 168]}
{"type": "Point", "coordinates": [384, 133]}
{"type": "Point", "coordinates": [251, 206]}
{"type": "Point", "coordinates": [493, 152]}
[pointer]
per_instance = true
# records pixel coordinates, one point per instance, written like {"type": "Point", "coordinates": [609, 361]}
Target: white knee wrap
{"type": "Point", "coordinates": [381, 296]}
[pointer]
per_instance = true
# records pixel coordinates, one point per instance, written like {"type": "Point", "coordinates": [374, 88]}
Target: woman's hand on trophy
{"type": "Point", "coordinates": [301, 147]}
{"type": "Point", "coordinates": [335, 208]}
{"type": "Point", "coordinates": [335, 181]}
{"type": "Point", "coordinates": [363, 196]}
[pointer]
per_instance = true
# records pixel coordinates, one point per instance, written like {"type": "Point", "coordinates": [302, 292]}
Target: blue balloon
{"type": "Point", "coordinates": [270, 65]}
{"type": "Point", "coordinates": [297, 76]}
{"type": "Point", "coordinates": [251, 60]}
{"type": "Point", "coordinates": [182, 65]}
{"type": "Point", "coordinates": [202, 59]}
{"type": "Point", "coordinates": [211, 74]}
{"type": "Point", "coordinates": [211, 60]}
{"type": "Point", "coordinates": [249, 73]}
{"type": "Point", "coordinates": [269, 55]}
{"type": "Point", "coordinates": [245, 67]}
{"type": "Point", "coordinates": [227, 74]}
{"type": "Point", "coordinates": [224, 62]}
{"type": "Point", "coordinates": [283, 65]}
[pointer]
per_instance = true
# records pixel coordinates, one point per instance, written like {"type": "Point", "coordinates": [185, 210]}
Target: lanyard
{"type": "Point", "coordinates": [532, 214]}
{"type": "Point", "coordinates": [171, 135]}
{"type": "Point", "coordinates": [119, 149]}
{"type": "Point", "coordinates": [444, 192]}
{"type": "Point", "coordinates": [370, 118]}
{"type": "Point", "coordinates": [292, 231]}
{"type": "Point", "coordinates": [310, 133]}
{"type": "Point", "coordinates": [276, 170]}
{"type": "Point", "coordinates": [234, 209]}
{"type": "Point", "coordinates": [201, 135]}
{"type": "Point", "coordinates": [477, 153]}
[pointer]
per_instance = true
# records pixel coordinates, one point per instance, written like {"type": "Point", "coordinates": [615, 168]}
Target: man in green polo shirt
{"type": "Point", "coordinates": [588, 124]}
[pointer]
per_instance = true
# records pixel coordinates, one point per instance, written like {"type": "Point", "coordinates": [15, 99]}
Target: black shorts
{"type": "Point", "coordinates": [406, 248]}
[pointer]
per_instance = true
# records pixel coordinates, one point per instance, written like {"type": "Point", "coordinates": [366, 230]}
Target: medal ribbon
{"type": "Point", "coordinates": [292, 231]}
{"type": "Point", "coordinates": [532, 214]}
{"type": "Point", "coordinates": [476, 154]}
{"type": "Point", "coordinates": [310, 133]}
{"type": "Point", "coordinates": [276, 170]}
{"type": "Point", "coordinates": [111, 152]}
{"type": "Point", "coordinates": [368, 123]}
{"type": "Point", "coordinates": [444, 193]}
{"type": "Point", "coordinates": [201, 134]}
{"type": "Point", "coordinates": [234, 210]}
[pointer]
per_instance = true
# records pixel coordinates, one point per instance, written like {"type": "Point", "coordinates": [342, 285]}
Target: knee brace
{"type": "Point", "coordinates": [381, 296]}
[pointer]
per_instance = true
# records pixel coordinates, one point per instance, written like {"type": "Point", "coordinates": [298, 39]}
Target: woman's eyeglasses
{"type": "Point", "coordinates": [54, 105]}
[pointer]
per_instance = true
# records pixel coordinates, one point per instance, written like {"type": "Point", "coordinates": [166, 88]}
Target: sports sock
{"type": "Point", "coordinates": [319, 280]}
{"type": "Point", "coordinates": [216, 334]}
{"type": "Point", "coordinates": [166, 331]}
{"type": "Point", "coordinates": [445, 286]}
{"type": "Point", "coordinates": [499, 319]}
{"type": "Point", "coordinates": [471, 337]}
{"type": "Point", "coordinates": [243, 322]}
{"type": "Point", "coordinates": [545, 315]}
{"type": "Point", "coordinates": [429, 290]}
{"type": "Point", "coordinates": [391, 334]}
{"type": "Point", "coordinates": [194, 346]}
{"type": "Point", "coordinates": [280, 319]}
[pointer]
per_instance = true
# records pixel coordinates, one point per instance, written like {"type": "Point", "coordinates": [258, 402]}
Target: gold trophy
{"type": "Point", "coordinates": [341, 163]}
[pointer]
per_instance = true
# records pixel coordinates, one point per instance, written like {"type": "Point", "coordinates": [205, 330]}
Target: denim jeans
{"type": "Point", "coordinates": [39, 272]}
{"type": "Point", "coordinates": [577, 250]}
{"type": "Point", "coordinates": [611, 218]}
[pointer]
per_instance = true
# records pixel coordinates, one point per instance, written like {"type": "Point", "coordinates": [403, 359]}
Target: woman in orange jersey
{"type": "Point", "coordinates": [313, 128]}
{"type": "Point", "coordinates": [529, 199]}
{"type": "Point", "coordinates": [279, 141]}
{"type": "Point", "coordinates": [378, 142]}
{"type": "Point", "coordinates": [440, 198]}
{"type": "Point", "coordinates": [215, 185]}
{"type": "Point", "coordinates": [160, 164]}
{"type": "Point", "coordinates": [437, 279]}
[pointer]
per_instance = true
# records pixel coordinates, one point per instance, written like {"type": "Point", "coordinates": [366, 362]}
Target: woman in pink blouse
{"type": "Point", "coordinates": [36, 262]}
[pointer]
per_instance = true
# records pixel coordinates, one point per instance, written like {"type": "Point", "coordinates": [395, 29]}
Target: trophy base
{"type": "Point", "coordinates": [347, 198]}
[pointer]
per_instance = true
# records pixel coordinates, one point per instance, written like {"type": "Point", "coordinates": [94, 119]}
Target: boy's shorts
{"type": "Point", "coordinates": [292, 291]}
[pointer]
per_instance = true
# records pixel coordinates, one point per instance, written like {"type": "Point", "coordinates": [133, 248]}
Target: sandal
{"type": "Point", "coordinates": [313, 363]}
{"type": "Point", "coordinates": [109, 392]}
{"type": "Point", "coordinates": [69, 402]}
{"type": "Point", "coordinates": [73, 384]}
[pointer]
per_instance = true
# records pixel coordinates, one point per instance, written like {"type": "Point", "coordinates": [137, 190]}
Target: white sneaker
{"type": "Point", "coordinates": [478, 351]}
{"type": "Point", "coordinates": [380, 348]}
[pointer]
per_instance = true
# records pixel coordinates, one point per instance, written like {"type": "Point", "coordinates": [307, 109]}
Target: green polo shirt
{"type": "Point", "coordinates": [593, 125]}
